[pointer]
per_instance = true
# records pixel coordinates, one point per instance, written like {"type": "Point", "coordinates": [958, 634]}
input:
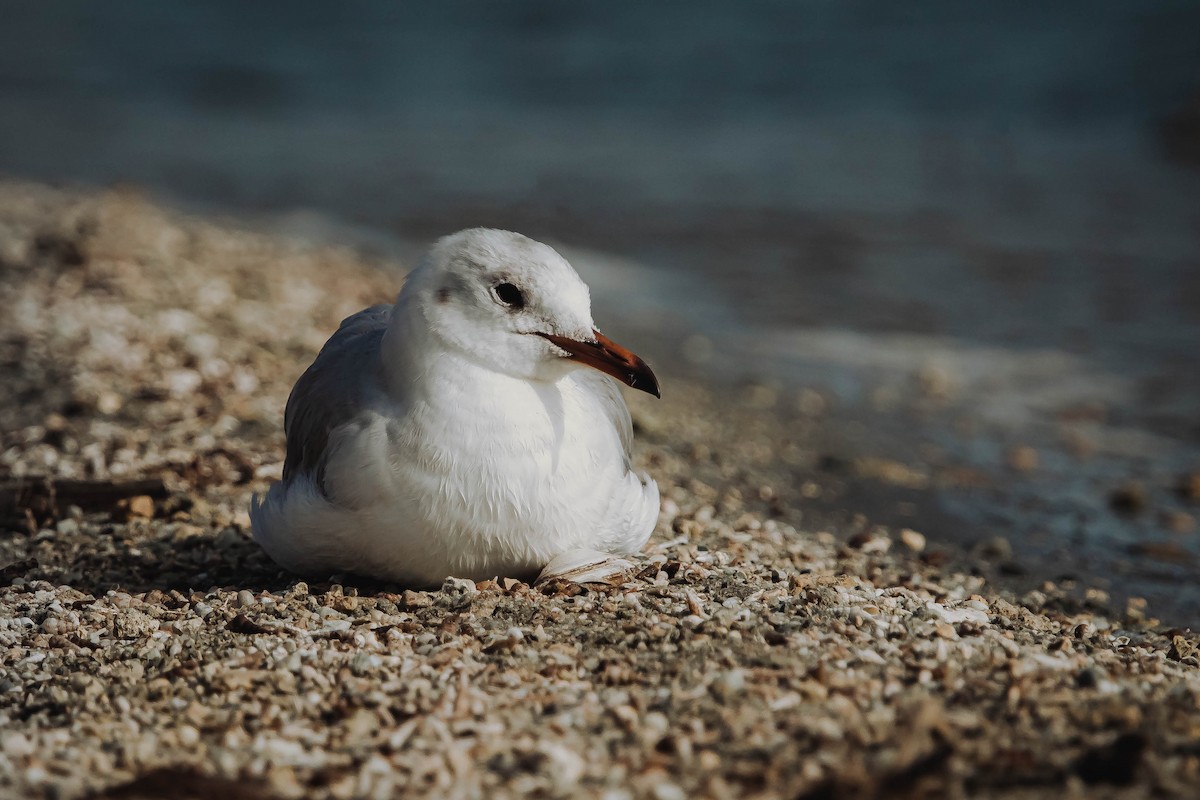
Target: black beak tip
{"type": "Point", "coordinates": [646, 382]}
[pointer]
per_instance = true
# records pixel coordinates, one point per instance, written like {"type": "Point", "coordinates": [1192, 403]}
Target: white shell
{"type": "Point", "coordinates": [587, 566]}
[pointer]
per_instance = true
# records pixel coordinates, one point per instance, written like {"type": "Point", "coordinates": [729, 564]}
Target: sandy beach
{"type": "Point", "coordinates": [148, 648]}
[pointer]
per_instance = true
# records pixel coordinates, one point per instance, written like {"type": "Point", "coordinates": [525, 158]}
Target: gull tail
{"type": "Point", "coordinates": [298, 527]}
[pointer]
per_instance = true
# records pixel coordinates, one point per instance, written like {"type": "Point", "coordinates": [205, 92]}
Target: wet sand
{"type": "Point", "coordinates": [775, 640]}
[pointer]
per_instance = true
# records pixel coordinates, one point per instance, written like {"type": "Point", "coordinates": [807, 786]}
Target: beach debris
{"type": "Point", "coordinates": [587, 566]}
{"type": "Point", "coordinates": [47, 498]}
{"type": "Point", "coordinates": [1022, 458]}
{"type": "Point", "coordinates": [1128, 498]}
{"type": "Point", "coordinates": [913, 540]}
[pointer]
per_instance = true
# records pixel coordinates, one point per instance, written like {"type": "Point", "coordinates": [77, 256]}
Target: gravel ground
{"type": "Point", "coordinates": [148, 648]}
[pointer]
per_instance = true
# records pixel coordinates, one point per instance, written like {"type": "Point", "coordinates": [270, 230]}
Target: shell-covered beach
{"type": "Point", "coordinates": [149, 648]}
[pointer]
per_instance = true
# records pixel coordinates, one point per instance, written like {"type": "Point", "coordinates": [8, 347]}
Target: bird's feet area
{"type": "Point", "coordinates": [587, 566]}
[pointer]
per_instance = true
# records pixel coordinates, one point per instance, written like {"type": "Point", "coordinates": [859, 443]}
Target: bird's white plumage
{"type": "Point", "coordinates": [445, 436]}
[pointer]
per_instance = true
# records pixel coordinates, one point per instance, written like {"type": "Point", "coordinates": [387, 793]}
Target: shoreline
{"type": "Point", "coordinates": [152, 646]}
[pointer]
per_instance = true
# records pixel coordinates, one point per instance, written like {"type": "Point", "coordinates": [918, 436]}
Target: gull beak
{"type": "Point", "coordinates": [611, 358]}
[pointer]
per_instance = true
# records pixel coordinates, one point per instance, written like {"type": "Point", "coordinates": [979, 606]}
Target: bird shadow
{"type": "Point", "coordinates": [141, 558]}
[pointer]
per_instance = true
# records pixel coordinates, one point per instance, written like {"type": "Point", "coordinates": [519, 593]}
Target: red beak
{"type": "Point", "coordinates": [610, 358]}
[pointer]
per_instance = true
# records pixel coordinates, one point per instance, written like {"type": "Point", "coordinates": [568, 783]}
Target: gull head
{"type": "Point", "coordinates": [515, 306]}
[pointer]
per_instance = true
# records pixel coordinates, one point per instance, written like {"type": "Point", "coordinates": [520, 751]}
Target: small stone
{"type": "Point", "coordinates": [913, 540]}
{"type": "Point", "coordinates": [109, 403]}
{"type": "Point", "coordinates": [361, 725]}
{"type": "Point", "coordinates": [1077, 444]}
{"type": "Point", "coordinates": [935, 382]}
{"type": "Point", "coordinates": [996, 548]}
{"type": "Point", "coordinates": [36, 775]}
{"type": "Point", "coordinates": [1022, 458]}
{"type": "Point", "coordinates": [761, 397]}
{"type": "Point", "coordinates": [285, 784]}
{"type": "Point", "coordinates": [669, 791]}
{"type": "Point", "coordinates": [458, 593]}
{"type": "Point", "coordinates": [976, 602]}
{"type": "Point", "coordinates": [1135, 608]}
{"type": "Point", "coordinates": [17, 745]}
{"type": "Point", "coordinates": [1176, 521]}
{"type": "Point", "coordinates": [1181, 648]}
{"type": "Point", "coordinates": [140, 507]}
{"type": "Point", "coordinates": [877, 545]}
{"type": "Point", "coordinates": [1128, 498]}
{"type": "Point", "coordinates": [414, 600]}
{"type": "Point", "coordinates": [1189, 486]}
{"type": "Point", "coordinates": [566, 766]}
{"type": "Point", "coordinates": [811, 403]}
{"type": "Point", "coordinates": [245, 598]}
{"type": "Point", "coordinates": [511, 638]}
{"type": "Point", "coordinates": [729, 684]}
{"type": "Point", "coordinates": [870, 542]}
{"type": "Point", "coordinates": [1168, 551]}
{"type": "Point", "coordinates": [459, 586]}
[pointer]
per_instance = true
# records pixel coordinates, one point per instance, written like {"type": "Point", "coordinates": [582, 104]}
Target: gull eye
{"type": "Point", "coordinates": [509, 295]}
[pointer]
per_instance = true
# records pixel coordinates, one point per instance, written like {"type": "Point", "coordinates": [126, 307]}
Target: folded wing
{"type": "Point", "coordinates": [331, 391]}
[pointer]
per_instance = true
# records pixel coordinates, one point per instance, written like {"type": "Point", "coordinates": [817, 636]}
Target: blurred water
{"type": "Point", "coordinates": [817, 194]}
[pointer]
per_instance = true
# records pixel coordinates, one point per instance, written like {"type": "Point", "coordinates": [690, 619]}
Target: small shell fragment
{"type": "Point", "coordinates": [587, 566]}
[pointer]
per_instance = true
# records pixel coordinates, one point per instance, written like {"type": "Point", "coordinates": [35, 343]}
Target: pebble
{"type": "Point", "coordinates": [997, 548]}
{"type": "Point", "coordinates": [1178, 521]}
{"type": "Point", "coordinates": [668, 791]}
{"type": "Point", "coordinates": [935, 382]}
{"type": "Point", "coordinates": [141, 506]}
{"type": "Point", "coordinates": [1128, 498]}
{"type": "Point", "coordinates": [913, 540]}
{"type": "Point", "coordinates": [336, 625]}
{"type": "Point", "coordinates": [729, 684]}
{"type": "Point", "coordinates": [1189, 486]}
{"type": "Point", "coordinates": [1022, 458]}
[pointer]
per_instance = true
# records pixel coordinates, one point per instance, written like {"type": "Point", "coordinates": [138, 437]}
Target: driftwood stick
{"type": "Point", "coordinates": [43, 496]}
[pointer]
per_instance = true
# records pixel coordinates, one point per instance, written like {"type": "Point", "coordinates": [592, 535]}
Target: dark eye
{"type": "Point", "coordinates": [510, 295]}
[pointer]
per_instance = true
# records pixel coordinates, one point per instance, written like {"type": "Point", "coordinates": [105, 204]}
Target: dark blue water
{"type": "Point", "coordinates": [372, 108]}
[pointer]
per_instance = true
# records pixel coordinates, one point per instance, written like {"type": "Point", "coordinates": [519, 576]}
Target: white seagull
{"type": "Point", "coordinates": [470, 430]}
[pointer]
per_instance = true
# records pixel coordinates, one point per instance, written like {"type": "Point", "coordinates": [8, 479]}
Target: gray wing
{"type": "Point", "coordinates": [331, 391]}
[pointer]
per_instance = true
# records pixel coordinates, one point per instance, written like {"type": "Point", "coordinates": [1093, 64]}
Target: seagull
{"type": "Point", "coordinates": [474, 429]}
